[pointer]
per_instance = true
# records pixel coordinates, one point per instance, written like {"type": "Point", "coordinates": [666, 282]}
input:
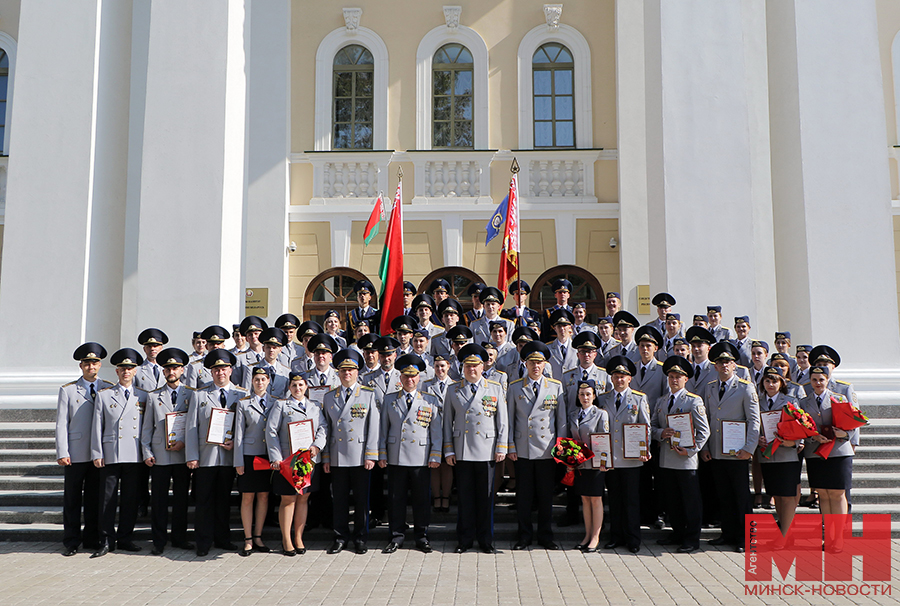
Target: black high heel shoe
{"type": "Point", "coordinates": [260, 548]}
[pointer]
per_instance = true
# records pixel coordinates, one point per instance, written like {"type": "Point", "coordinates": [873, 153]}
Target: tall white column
{"type": "Point", "coordinates": [710, 206]}
{"type": "Point", "coordinates": [268, 145]}
{"type": "Point", "coordinates": [189, 214]}
{"type": "Point", "coordinates": [836, 274]}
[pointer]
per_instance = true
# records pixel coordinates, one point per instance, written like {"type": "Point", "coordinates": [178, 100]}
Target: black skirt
{"type": "Point", "coordinates": [254, 480]}
{"type": "Point", "coordinates": [589, 482]}
{"type": "Point", "coordinates": [833, 473]}
{"type": "Point", "coordinates": [781, 479]}
{"type": "Point", "coordinates": [282, 487]}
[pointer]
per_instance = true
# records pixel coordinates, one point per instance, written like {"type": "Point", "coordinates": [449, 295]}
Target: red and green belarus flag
{"type": "Point", "coordinates": [375, 220]}
{"type": "Point", "coordinates": [391, 268]}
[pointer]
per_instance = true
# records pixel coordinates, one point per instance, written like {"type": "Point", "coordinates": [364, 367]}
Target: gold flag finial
{"type": "Point", "coordinates": [514, 168]}
{"type": "Point", "coordinates": [400, 172]}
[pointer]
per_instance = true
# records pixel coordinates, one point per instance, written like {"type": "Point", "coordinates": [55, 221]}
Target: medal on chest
{"type": "Point", "coordinates": [489, 404]}
{"type": "Point", "coordinates": [550, 403]}
{"type": "Point", "coordinates": [423, 416]}
{"type": "Point", "coordinates": [358, 410]}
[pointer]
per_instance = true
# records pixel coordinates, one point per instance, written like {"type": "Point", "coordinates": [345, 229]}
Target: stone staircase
{"type": "Point", "coordinates": [31, 484]}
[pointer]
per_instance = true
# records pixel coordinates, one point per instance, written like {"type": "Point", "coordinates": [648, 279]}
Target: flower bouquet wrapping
{"type": "Point", "coordinates": [570, 453]}
{"type": "Point", "coordinates": [795, 424]}
{"type": "Point", "coordinates": [296, 469]}
{"type": "Point", "coordinates": [846, 416]}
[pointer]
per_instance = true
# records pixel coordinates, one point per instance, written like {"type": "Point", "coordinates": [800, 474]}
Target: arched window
{"type": "Point", "coordinates": [459, 278]}
{"type": "Point", "coordinates": [354, 79]}
{"type": "Point", "coordinates": [554, 96]}
{"type": "Point", "coordinates": [585, 289]}
{"type": "Point", "coordinates": [452, 95]}
{"type": "Point", "coordinates": [332, 289]}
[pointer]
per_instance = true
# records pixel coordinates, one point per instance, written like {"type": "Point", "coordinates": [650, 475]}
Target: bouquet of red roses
{"type": "Point", "coordinates": [296, 469]}
{"type": "Point", "coordinates": [795, 424]}
{"type": "Point", "coordinates": [845, 415]}
{"type": "Point", "coordinates": [570, 453]}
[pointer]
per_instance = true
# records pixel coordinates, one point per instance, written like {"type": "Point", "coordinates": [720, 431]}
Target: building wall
{"type": "Point", "coordinates": [594, 252]}
{"type": "Point", "coordinates": [313, 256]}
{"type": "Point", "coordinates": [897, 253]}
{"type": "Point", "coordinates": [423, 250]}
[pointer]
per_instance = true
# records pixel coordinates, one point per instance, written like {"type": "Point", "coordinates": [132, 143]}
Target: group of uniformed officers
{"type": "Point", "coordinates": [451, 395]}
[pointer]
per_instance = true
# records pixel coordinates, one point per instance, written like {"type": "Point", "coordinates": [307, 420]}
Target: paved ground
{"type": "Point", "coordinates": [35, 573]}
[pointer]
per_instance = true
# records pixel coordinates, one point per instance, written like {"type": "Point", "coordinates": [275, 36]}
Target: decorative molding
{"type": "Point", "coordinates": [429, 45]}
{"type": "Point", "coordinates": [328, 48]}
{"type": "Point", "coordinates": [448, 176]}
{"type": "Point", "coordinates": [350, 175]}
{"type": "Point", "coordinates": [451, 16]}
{"type": "Point", "coordinates": [581, 53]}
{"type": "Point", "coordinates": [352, 17]}
{"type": "Point", "coordinates": [552, 13]}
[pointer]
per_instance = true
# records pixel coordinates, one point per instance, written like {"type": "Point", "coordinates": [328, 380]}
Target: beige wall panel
{"type": "Point", "coordinates": [313, 256]}
{"type": "Point", "coordinates": [888, 26]}
{"type": "Point", "coordinates": [896, 251]}
{"type": "Point", "coordinates": [9, 17]}
{"type": "Point", "coordinates": [423, 246]}
{"type": "Point", "coordinates": [593, 252]}
{"type": "Point", "coordinates": [301, 183]}
{"type": "Point", "coordinates": [538, 249]}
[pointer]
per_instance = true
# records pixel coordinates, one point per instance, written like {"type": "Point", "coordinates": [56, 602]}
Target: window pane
{"type": "Point", "coordinates": [441, 56]}
{"type": "Point", "coordinates": [464, 56]}
{"type": "Point", "coordinates": [543, 108]}
{"type": "Point", "coordinates": [463, 84]}
{"type": "Point", "coordinates": [543, 134]}
{"type": "Point", "coordinates": [463, 134]}
{"type": "Point", "coordinates": [462, 108]}
{"type": "Point", "coordinates": [540, 56]}
{"type": "Point", "coordinates": [564, 55]}
{"type": "Point", "coordinates": [563, 108]}
{"type": "Point", "coordinates": [341, 136]}
{"type": "Point", "coordinates": [441, 83]}
{"type": "Point", "coordinates": [562, 82]}
{"type": "Point", "coordinates": [565, 134]}
{"type": "Point", "coordinates": [365, 57]}
{"type": "Point", "coordinates": [442, 134]}
{"type": "Point", "coordinates": [343, 57]}
{"type": "Point", "coordinates": [363, 136]}
{"type": "Point", "coordinates": [4, 81]}
{"type": "Point", "coordinates": [342, 110]}
{"type": "Point", "coordinates": [542, 82]}
{"type": "Point", "coordinates": [4, 59]}
{"type": "Point", "coordinates": [364, 84]}
{"type": "Point", "coordinates": [343, 84]}
{"type": "Point", "coordinates": [442, 108]}
{"type": "Point", "coordinates": [363, 110]}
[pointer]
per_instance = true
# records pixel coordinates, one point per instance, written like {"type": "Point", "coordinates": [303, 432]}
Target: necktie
{"type": "Point", "coordinates": [441, 387]}
{"type": "Point", "coordinates": [126, 395]}
{"type": "Point", "coordinates": [562, 351]}
{"type": "Point", "coordinates": [474, 388]}
{"type": "Point", "coordinates": [602, 348]}
{"type": "Point", "coordinates": [172, 395]}
{"type": "Point", "coordinates": [756, 377]}
{"type": "Point", "coordinates": [721, 390]}
{"type": "Point", "coordinates": [156, 372]}
{"type": "Point", "coordinates": [322, 379]}
{"type": "Point", "coordinates": [643, 372]}
{"type": "Point", "coordinates": [408, 400]}
{"type": "Point", "coordinates": [223, 401]}
{"type": "Point", "coordinates": [347, 399]}
{"type": "Point", "coordinates": [93, 392]}
{"type": "Point", "coordinates": [697, 371]}
{"type": "Point", "coordinates": [521, 370]}
{"type": "Point", "coordinates": [581, 416]}
{"type": "Point", "coordinates": [771, 403]}
{"type": "Point", "coordinates": [262, 402]}
{"type": "Point", "coordinates": [535, 386]}
{"type": "Point", "coordinates": [618, 401]}
{"type": "Point", "coordinates": [309, 363]}
{"type": "Point", "coordinates": [259, 358]}
{"type": "Point", "coordinates": [668, 344]}
{"type": "Point", "coordinates": [818, 400]}
{"type": "Point", "coordinates": [584, 375]}
{"type": "Point", "coordinates": [671, 402]}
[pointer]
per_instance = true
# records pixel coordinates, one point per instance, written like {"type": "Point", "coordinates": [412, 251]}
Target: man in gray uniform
{"type": "Point", "coordinates": [537, 416]}
{"type": "Point", "coordinates": [650, 380]}
{"type": "Point", "coordinates": [730, 398]}
{"type": "Point", "coordinates": [664, 303]}
{"type": "Point", "coordinates": [74, 421]}
{"type": "Point", "coordinates": [289, 324]}
{"type": "Point", "coordinates": [475, 439]}
{"type": "Point", "coordinates": [492, 299]}
{"type": "Point", "coordinates": [562, 355]}
{"type": "Point", "coordinates": [196, 375]}
{"type": "Point", "coordinates": [625, 324]}
{"type": "Point", "coordinates": [149, 375]}
{"type": "Point", "coordinates": [323, 348]}
{"type": "Point", "coordinates": [273, 340]}
{"type": "Point", "coordinates": [164, 455]}
{"type": "Point", "coordinates": [409, 445]}
{"type": "Point", "coordinates": [743, 341]}
{"type": "Point", "coordinates": [116, 451]}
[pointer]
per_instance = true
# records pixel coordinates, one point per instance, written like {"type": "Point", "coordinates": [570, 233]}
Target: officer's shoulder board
{"type": "Point", "coordinates": [640, 393]}
{"type": "Point", "coordinates": [197, 361]}
{"type": "Point", "coordinates": [248, 397]}
{"type": "Point", "coordinates": [692, 395]}
{"type": "Point", "coordinates": [744, 381]}
{"type": "Point", "coordinates": [804, 384]}
{"type": "Point", "coordinates": [366, 388]}
{"type": "Point", "coordinates": [70, 383]}
{"type": "Point", "coordinates": [742, 366]}
{"type": "Point", "coordinates": [107, 387]}
{"type": "Point", "coordinates": [842, 382]}
{"type": "Point", "coordinates": [519, 380]}
{"type": "Point", "coordinates": [239, 388]}
{"type": "Point", "coordinates": [493, 382]}
{"type": "Point", "coordinates": [549, 380]}
{"type": "Point", "coordinates": [713, 381]}
{"type": "Point", "coordinates": [794, 383]}
{"type": "Point", "coordinates": [658, 363]}
{"type": "Point", "coordinates": [158, 389]}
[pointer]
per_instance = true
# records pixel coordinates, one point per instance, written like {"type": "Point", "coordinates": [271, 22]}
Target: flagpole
{"type": "Point", "coordinates": [514, 169]}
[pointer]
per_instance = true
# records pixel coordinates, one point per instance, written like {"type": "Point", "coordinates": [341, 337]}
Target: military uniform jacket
{"type": "Point", "coordinates": [517, 370]}
{"type": "Point", "coordinates": [440, 345]}
{"type": "Point", "coordinates": [536, 419]}
{"type": "Point", "coordinates": [596, 420]}
{"type": "Point", "coordinates": [784, 453]}
{"type": "Point", "coordinates": [512, 314]}
{"type": "Point", "coordinates": [571, 379]}
{"type": "Point", "coordinates": [197, 426]}
{"type": "Point", "coordinates": [116, 435]}
{"type": "Point", "coordinates": [381, 384]}
{"type": "Point", "coordinates": [603, 352]}
{"type": "Point", "coordinates": [313, 377]}
{"type": "Point", "coordinates": [75, 419]}
{"type": "Point", "coordinates": [289, 352]}
{"type": "Point", "coordinates": [145, 379]}
{"type": "Point", "coordinates": [634, 409]}
{"type": "Point", "coordinates": [358, 314]}
{"type": "Point", "coordinates": [630, 351]}
{"type": "Point", "coordinates": [433, 330]}
{"type": "Point", "coordinates": [471, 316]}
{"type": "Point", "coordinates": [722, 333]}
{"type": "Point", "coordinates": [476, 426]}
{"type": "Point", "coordinates": [284, 412]}
{"type": "Point", "coordinates": [432, 386]}
{"type": "Point", "coordinates": [653, 385]}
{"type": "Point", "coordinates": [841, 387]}
{"type": "Point", "coordinates": [498, 376]}
{"type": "Point", "coordinates": [197, 376]}
{"type": "Point", "coordinates": [410, 435]}
{"type": "Point", "coordinates": [481, 328]}
{"type": "Point", "coordinates": [558, 363]}
{"type": "Point", "coordinates": [843, 447]}
{"type": "Point", "coordinates": [353, 426]}
{"type": "Point", "coordinates": [697, 384]}
{"type": "Point", "coordinates": [303, 363]}
{"type": "Point", "coordinates": [548, 333]}
{"type": "Point", "coordinates": [744, 349]}
{"type": "Point", "coordinates": [658, 324]}
{"type": "Point", "coordinates": [667, 346]}
{"type": "Point", "coordinates": [685, 401]}
{"type": "Point", "coordinates": [279, 378]}
{"type": "Point", "coordinates": [506, 354]}
{"type": "Point", "coordinates": [584, 326]}
{"type": "Point", "coordinates": [244, 362]}
{"type": "Point", "coordinates": [250, 427]}
{"type": "Point", "coordinates": [739, 403]}
{"type": "Point", "coordinates": [154, 437]}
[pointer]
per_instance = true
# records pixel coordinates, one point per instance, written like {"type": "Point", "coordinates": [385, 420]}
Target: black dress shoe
{"type": "Point", "coordinates": [202, 551]}
{"type": "Point", "coordinates": [337, 547]}
{"type": "Point", "coordinates": [289, 552]}
{"type": "Point", "coordinates": [187, 545]}
{"type": "Point", "coordinates": [488, 549]}
{"type": "Point", "coordinates": [424, 546]}
{"type": "Point", "coordinates": [260, 548]}
{"type": "Point", "coordinates": [104, 549]}
{"type": "Point", "coordinates": [374, 522]}
{"type": "Point", "coordinates": [127, 546]}
{"type": "Point", "coordinates": [520, 545]}
{"type": "Point", "coordinates": [612, 545]}
{"type": "Point", "coordinates": [391, 547]}
{"type": "Point", "coordinates": [687, 549]}
{"type": "Point", "coordinates": [461, 548]}
{"type": "Point", "coordinates": [659, 524]}
{"type": "Point", "coordinates": [580, 546]}
{"type": "Point", "coordinates": [244, 552]}
{"type": "Point", "coordinates": [157, 550]}
{"type": "Point", "coordinates": [549, 545]}
{"type": "Point", "coordinates": [69, 551]}
{"type": "Point", "coordinates": [634, 548]}
{"type": "Point", "coordinates": [361, 547]}
{"type": "Point", "coordinates": [718, 541]}
{"type": "Point", "coordinates": [300, 550]}
{"type": "Point", "coordinates": [227, 546]}
{"type": "Point", "coordinates": [587, 549]}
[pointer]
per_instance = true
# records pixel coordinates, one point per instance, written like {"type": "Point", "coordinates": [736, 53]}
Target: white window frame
{"type": "Point", "coordinates": [8, 43]}
{"type": "Point", "coordinates": [895, 65]}
{"type": "Point", "coordinates": [572, 39]}
{"type": "Point", "coordinates": [328, 48]}
{"type": "Point", "coordinates": [429, 45]}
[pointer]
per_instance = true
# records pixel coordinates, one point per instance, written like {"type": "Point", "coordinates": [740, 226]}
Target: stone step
{"type": "Point", "coordinates": [28, 454]}
{"type": "Point", "coordinates": [875, 426]}
{"type": "Point", "coordinates": [24, 441]}
{"type": "Point", "coordinates": [25, 468]}
{"type": "Point", "coordinates": [877, 440]}
{"type": "Point", "coordinates": [27, 415]}
{"type": "Point", "coordinates": [30, 483]}
{"type": "Point", "coordinates": [880, 452]}
{"type": "Point", "coordinates": [27, 429]}
{"type": "Point", "coordinates": [45, 498]}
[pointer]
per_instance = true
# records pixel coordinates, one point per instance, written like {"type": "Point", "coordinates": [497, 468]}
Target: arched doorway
{"type": "Point", "coordinates": [585, 289]}
{"type": "Point", "coordinates": [333, 289]}
{"type": "Point", "coordinates": [459, 278]}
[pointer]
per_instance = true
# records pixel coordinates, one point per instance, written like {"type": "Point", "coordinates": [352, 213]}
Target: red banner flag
{"type": "Point", "coordinates": [375, 219]}
{"type": "Point", "coordinates": [391, 268]}
{"type": "Point", "coordinates": [509, 254]}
